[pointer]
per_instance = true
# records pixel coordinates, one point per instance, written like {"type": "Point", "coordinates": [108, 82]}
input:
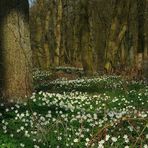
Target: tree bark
{"type": "Point", "coordinates": [58, 33]}
{"type": "Point", "coordinates": [16, 61]}
{"type": "Point", "coordinates": [117, 32]}
{"type": "Point", "coordinates": [85, 39]}
{"type": "Point", "coordinates": [141, 40]}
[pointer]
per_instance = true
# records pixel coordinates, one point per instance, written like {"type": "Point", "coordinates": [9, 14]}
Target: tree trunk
{"type": "Point", "coordinates": [85, 43]}
{"type": "Point", "coordinates": [58, 33]}
{"type": "Point", "coordinates": [46, 40]}
{"type": "Point", "coordinates": [140, 49]}
{"type": "Point", "coordinates": [117, 32]}
{"type": "Point", "coordinates": [16, 65]}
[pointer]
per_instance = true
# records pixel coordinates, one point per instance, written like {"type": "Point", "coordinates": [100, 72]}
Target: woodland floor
{"type": "Point", "coordinates": [78, 112]}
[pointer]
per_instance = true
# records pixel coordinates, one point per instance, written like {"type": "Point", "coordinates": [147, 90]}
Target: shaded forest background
{"type": "Point", "coordinates": [95, 35]}
{"type": "Point", "coordinates": [100, 36]}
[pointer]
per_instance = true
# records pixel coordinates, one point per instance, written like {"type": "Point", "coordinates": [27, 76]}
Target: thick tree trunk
{"type": "Point", "coordinates": [85, 39]}
{"type": "Point", "coordinates": [15, 49]}
{"type": "Point", "coordinates": [117, 32]}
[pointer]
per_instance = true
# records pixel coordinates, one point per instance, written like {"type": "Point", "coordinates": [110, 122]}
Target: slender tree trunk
{"type": "Point", "coordinates": [37, 50]}
{"type": "Point", "coordinates": [58, 33]}
{"type": "Point", "coordinates": [140, 49]}
{"type": "Point", "coordinates": [46, 40]}
{"type": "Point", "coordinates": [15, 49]}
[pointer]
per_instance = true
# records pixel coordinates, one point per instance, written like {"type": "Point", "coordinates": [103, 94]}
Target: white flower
{"type": "Point", "coordinates": [67, 144]}
{"type": "Point", "coordinates": [16, 111]}
{"type": "Point", "coordinates": [22, 128]}
{"type": "Point", "coordinates": [11, 135]}
{"type": "Point", "coordinates": [76, 140]}
{"type": "Point", "coordinates": [82, 136]}
{"type": "Point", "coordinates": [7, 109]}
{"type": "Point", "coordinates": [145, 146]}
{"type": "Point", "coordinates": [18, 131]}
{"type": "Point", "coordinates": [126, 146]}
{"type": "Point", "coordinates": [100, 146]}
{"type": "Point", "coordinates": [95, 116]}
{"type": "Point", "coordinates": [87, 139]}
{"type": "Point", "coordinates": [22, 115]}
{"type": "Point", "coordinates": [107, 137]}
{"type": "Point", "coordinates": [34, 113]}
{"type": "Point", "coordinates": [36, 146]}
{"type": "Point", "coordinates": [125, 136]}
{"type": "Point", "coordinates": [22, 145]}
{"type": "Point", "coordinates": [34, 140]}
{"type": "Point", "coordinates": [126, 140]}
{"type": "Point", "coordinates": [101, 142]}
{"type": "Point", "coordinates": [4, 127]}
{"type": "Point", "coordinates": [114, 139]}
{"type": "Point", "coordinates": [59, 138]}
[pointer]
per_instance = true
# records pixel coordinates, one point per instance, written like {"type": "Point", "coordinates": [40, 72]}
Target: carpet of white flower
{"type": "Point", "coordinates": [78, 119]}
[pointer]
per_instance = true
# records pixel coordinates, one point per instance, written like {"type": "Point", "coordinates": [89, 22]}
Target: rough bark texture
{"type": "Point", "coordinates": [85, 39]}
{"type": "Point", "coordinates": [16, 65]}
{"type": "Point", "coordinates": [117, 32]}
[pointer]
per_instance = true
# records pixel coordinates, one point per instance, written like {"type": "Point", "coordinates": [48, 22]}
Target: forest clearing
{"type": "Point", "coordinates": [73, 74]}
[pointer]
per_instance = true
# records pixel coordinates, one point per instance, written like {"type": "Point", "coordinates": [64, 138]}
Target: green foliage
{"type": "Point", "coordinates": [82, 114]}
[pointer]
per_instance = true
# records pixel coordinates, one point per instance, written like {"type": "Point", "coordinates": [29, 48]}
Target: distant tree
{"type": "Point", "coordinates": [85, 38]}
{"type": "Point", "coordinates": [117, 32]}
{"type": "Point", "coordinates": [58, 28]}
{"type": "Point", "coordinates": [40, 19]}
{"type": "Point", "coordinates": [87, 33]}
{"type": "Point", "coordinates": [15, 51]}
{"type": "Point", "coordinates": [141, 39]}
